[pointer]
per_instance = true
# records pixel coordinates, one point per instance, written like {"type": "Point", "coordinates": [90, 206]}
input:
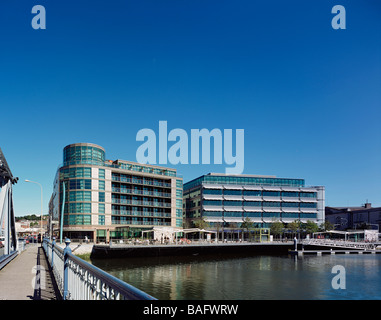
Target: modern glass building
{"type": "Point", "coordinates": [102, 199]}
{"type": "Point", "coordinates": [230, 199]}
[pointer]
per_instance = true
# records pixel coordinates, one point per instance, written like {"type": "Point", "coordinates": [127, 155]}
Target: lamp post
{"type": "Point", "coordinates": [41, 204]}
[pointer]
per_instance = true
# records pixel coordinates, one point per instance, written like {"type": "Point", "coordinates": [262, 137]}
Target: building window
{"type": "Point", "coordinates": [212, 203]}
{"type": "Point", "coordinates": [101, 220]}
{"type": "Point", "coordinates": [213, 214]}
{"type": "Point", "coordinates": [101, 184]}
{"type": "Point", "coordinates": [308, 194]}
{"type": "Point", "coordinates": [101, 197]}
{"type": "Point", "coordinates": [233, 192]}
{"type": "Point", "coordinates": [254, 193]}
{"type": "Point", "coordinates": [82, 196]}
{"type": "Point", "coordinates": [101, 208]}
{"type": "Point", "coordinates": [290, 194]}
{"type": "Point", "coordinates": [232, 214]}
{"type": "Point", "coordinates": [271, 204]}
{"type": "Point", "coordinates": [233, 203]}
{"type": "Point", "coordinates": [212, 191]}
{"type": "Point", "coordinates": [80, 184]}
{"type": "Point", "coordinates": [290, 204]}
{"type": "Point", "coordinates": [271, 193]}
{"type": "Point", "coordinates": [307, 205]}
{"type": "Point", "coordinates": [101, 173]}
{"type": "Point", "coordinates": [252, 203]}
{"type": "Point", "coordinates": [77, 219]}
{"type": "Point", "coordinates": [79, 207]}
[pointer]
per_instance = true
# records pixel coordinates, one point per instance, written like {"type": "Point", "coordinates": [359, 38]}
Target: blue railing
{"type": "Point", "coordinates": [79, 280]}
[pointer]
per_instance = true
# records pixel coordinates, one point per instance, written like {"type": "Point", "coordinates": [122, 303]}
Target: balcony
{"type": "Point", "coordinates": [141, 203]}
{"type": "Point", "coordinates": [141, 192]}
{"type": "Point", "coordinates": [141, 181]}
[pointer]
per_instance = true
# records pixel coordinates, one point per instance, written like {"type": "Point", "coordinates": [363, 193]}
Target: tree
{"type": "Point", "coordinates": [201, 223]}
{"type": "Point", "coordinates": [247, 224]}
{"type": "Point", "coordinates": [326, 226]}
{"type": "Point", "coordinates": [311, 227]}
{"type": "Point", "coordinates": [294, 226]}
{"type": "Point", "coordinates": [276, 228]}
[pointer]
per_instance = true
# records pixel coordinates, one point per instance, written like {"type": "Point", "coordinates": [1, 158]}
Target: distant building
{"type": "Point", "coordinates": [344, 218]}
{"type": "Point", "coordinates": [230, 199]}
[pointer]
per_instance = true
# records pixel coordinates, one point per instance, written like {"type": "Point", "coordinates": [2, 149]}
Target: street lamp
{"type": "Point", "coordinates": [41, 204]}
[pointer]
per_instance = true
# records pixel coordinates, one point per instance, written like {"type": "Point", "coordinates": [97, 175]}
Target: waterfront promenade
{"type": "Point", "coordinates": [27, 277]}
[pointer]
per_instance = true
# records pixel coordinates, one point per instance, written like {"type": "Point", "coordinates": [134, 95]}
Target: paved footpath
{"type": "Point", "coordinates": [21, 279]}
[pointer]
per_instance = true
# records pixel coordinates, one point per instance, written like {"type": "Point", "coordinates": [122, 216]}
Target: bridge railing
{"type": "Point", "coordinates": [79, 280]}
{"type": "Point", "coordinates": [338, 243]}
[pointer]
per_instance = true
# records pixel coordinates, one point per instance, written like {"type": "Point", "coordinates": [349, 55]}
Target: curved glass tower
{"type": "Point", "coordinates": [83, 153]}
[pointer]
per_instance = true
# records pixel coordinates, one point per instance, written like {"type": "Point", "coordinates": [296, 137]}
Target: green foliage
{"type": "Point", "coordinates": [201, 224]}
{"type": "Point", "coordinates": [311, 227]}
{"type": "Point", "coordinates": [31, 217]}
{"type": "Point", "coordinates": [276, 228]}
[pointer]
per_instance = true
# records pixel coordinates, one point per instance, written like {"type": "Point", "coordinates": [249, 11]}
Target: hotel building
{"type": "Point", "coordinates": [226, 199]}
{"type": "Point", "coordinates": [102, 199]}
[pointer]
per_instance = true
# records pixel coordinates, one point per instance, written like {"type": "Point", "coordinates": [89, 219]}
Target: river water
{"type": "Point", "coordinates": [255, 277]}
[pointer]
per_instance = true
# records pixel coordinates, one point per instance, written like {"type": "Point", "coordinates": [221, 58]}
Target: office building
{"type": "Point", "coordinates": [354, 218]}
{"type": "Point", "coordinates": [230, 199]}
{"type": "Point", "coordinates": [103, 199]}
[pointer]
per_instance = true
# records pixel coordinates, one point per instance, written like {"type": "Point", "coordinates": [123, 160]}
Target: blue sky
{"type": "Point", "coordinates": [307, 96]}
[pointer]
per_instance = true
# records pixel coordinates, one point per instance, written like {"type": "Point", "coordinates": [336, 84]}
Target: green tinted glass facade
{"type": "Point", "coordinates": [244, 180]}
{"type": "Point", "coordinates": [83, 154]}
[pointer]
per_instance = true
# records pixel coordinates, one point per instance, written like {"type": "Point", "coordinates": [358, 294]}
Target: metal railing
{"type": "Point", "coordinates": [339, 243]}
{"type": "Point", "coordinates": [79, 280]}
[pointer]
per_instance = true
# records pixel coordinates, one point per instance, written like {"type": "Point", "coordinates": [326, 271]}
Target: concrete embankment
{"type": "Point", "coordinates": [124, 251]}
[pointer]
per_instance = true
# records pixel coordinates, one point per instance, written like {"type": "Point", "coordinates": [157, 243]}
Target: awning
{"type": "Point", "coordinates": [290, 189]}
{"type": "Point", "coordinates": [291, 210]}
{"type": "Point", "coordinates": [232, 187]}
{"type": "Point", "coordinates": [271, 188]}
{"type": "Point", "coordinates": [233, 220]}
{"type": "Point", "coordinates": [288, 220]}
{"type": "Point", "coordinates": [231, 197]}
{"type": "Point", "coordinates": [271, 209]}
{"type": "Point", "coordinates": [255, 219]}
{"type": "Point", "coordinates": [252, 198]}
{"type": "Point", "coordinates": [286, 199]}
{"type": "Point", "coordinates": [212, 196]}
{"type": "Point", "coordinates": [308, 210]}
{"type": "Point", "coordinates": [214, 219]}
{"type": "Point", "coordinates": [228, 208]}
{"type": "Point", "coordinates": [253, 209]}
{"type": "Point", "coordinates": [212, 208]}
{"type": "Point", "coordinates": [252, 187]}
{"type": "Point", "coordinates": [212, 186]}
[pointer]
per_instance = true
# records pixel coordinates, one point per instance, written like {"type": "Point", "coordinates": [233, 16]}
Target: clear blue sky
{"type": "Point", "coordinates": [307, 96]}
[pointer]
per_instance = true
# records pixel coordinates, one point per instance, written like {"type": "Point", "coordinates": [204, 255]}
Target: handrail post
{"type": "Point", "coordinates": [66, 267]}
{"type": "Point", "coordinates": [53, 244]}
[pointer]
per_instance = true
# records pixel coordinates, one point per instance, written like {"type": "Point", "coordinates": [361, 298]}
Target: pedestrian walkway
{"type": "Point", "coordinates": [27, 277]}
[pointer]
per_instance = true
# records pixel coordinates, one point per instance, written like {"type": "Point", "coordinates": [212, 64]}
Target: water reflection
{"type": "Point", "coordinates": [259, 277]}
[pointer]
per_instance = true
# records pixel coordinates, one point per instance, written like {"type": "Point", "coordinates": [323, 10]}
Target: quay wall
{"type": "Point", "coordinates": [128, 251]}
